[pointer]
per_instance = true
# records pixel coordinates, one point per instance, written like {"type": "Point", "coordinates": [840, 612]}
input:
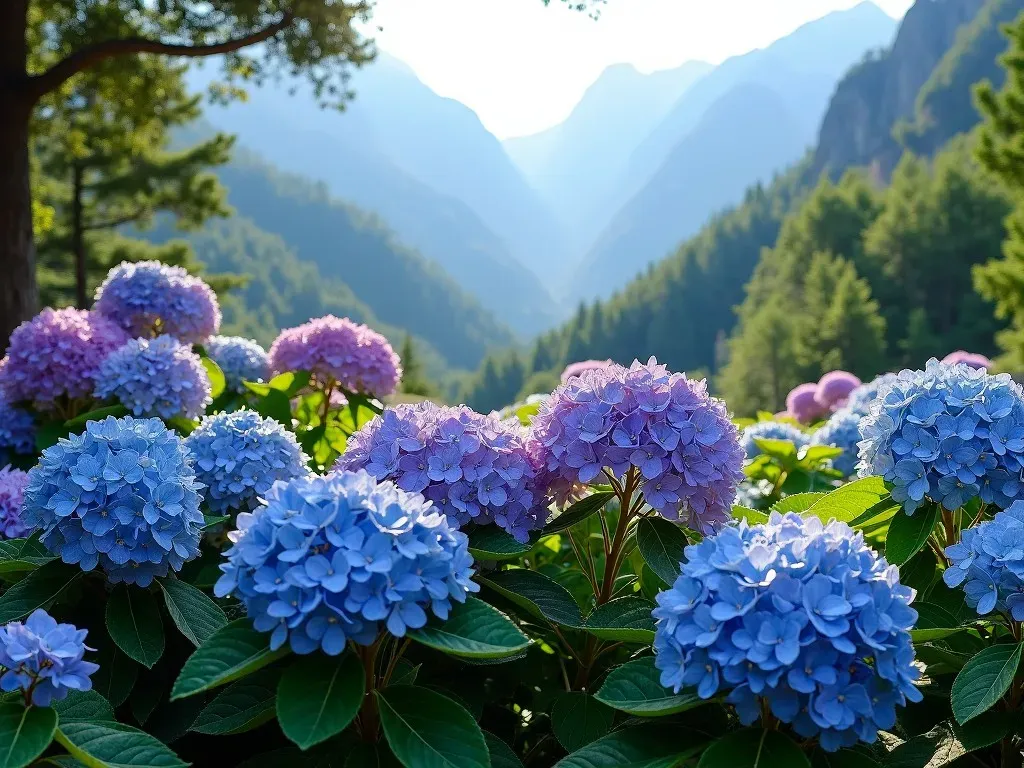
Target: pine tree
{"type": "Point", "coordinates": [414, 381]}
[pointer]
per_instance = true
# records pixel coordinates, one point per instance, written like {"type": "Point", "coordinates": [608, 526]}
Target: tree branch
{"type": "Point", "coordinates": [89, 55]}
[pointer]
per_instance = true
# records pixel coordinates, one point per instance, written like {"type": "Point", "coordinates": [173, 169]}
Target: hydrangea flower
{"type": "Point", "coordinates": [44, 659]}
{"type": "Point", "coordinates": [155, 377]}
{"type": "Point", "coordinates": [802, 403]}
{"type": "Point", "coordinates": [968, 358]}
{"type": "Point", "coordinates": [331, 559]}
{"type": "Point", "coordinates": [578, 369]}
{"type": "Point", "coordinates": [57, 354]}
{"type": "Point", "coordinates": [17, 431]}
{"type": "Point", "coordinates": [834, 388]}
{"type": "Point", "coordinates": [666, 426]}
{"type": "Point", "coordinates": [122, 495]}
{"type": "Point", "coordinates": [989, 562]}
{"type": "Point", "coordinates": [797, 614]}
{"type": "Point", "coordinates": [771, 430]}
{"type": "Point", "coordinates": [240, 359]}
{"type": "Point", "coordinates": [337, 350]}
{"type": "Point", "coordinates": [861, 397]}
{"type": "Point", "coordinates": [472, 467]}
{"type": "Point", "coordinates": [12, 494]}
{"type": "Point", "coordinates": [946, 434]}
{"type": "Point", "coordinates": [842, 430]}
{"type": "Point", "coordinates": [148, 298]}
{"type": "Point", "coordinates": [239, 455]}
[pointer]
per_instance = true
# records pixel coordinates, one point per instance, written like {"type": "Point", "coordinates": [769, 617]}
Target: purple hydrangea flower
{"type": "Point", "coordinates": [331, 559]}
{"type": "Point", "coordinates": [946, 434]}
{"type": "Point", "coordinates": [122, 495]}
{"type": "Point", "coordinates": [786, 613]}
{"type": "Point", "coordinates": [56, 354]}
{"type": "Point", "coordinates": [664, 425]}
{"type": "Point", "coordinates": [989, 562]}
{"type": "Point", "coordinates": [834, 389]}
{"type": "Point", "coordinates": [578, 369]}
{"type": "Point", "coordinates": [802, 403]}
{"type": "Point", "coordinates": [148, 298]}
{"type": "Point", "coordinates": [842, 430]}
{"type": "Point", "coordinates": [339, 351]}
{"type": "Point", "coordinates": [968, 358]}
{"type": "Point", "coordinates": [771, 430]}
{"type": "Point", "coordinates": [155, 377]}
{"type": "Point", "coordinates": [12, 494]}
{"type": "Point", "coordinates": [17, 431]}
{"type": "Point", "coordinates": [472, 467]}
{"type": "Point", "coordinates": [240, 360]}
{"type": "Point", "coordinates": [44, 659]}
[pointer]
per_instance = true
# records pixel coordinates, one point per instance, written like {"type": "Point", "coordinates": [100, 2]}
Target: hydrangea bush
{"type": "Point", "coordinates": [240, 360]}
{"type": "Point", "coordinates": [771, 430]}
{"type": "Point", "coordinates": [842, 430]}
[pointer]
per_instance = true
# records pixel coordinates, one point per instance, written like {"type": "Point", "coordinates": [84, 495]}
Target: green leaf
{"type": "Point", "coordinates": [636, 688]}
{"type": "Point", "coordinates": [37, 590]}
{"type": "Point", "coordinates": [181, 425]}
{"type": "Point", "coordinates": [318, 696]}
{"type": "Point", "coordinates": [848, 502]}
{"type": "Point", "coordinates": [934, 749]}
{"type": "Point", "coordinates": [473, 630]}
{"type": "Point", "coordinates": [20, 555]}
{"type": "Point", "coordinates": [242, 706]}
{"type": "Point", "coordinates": [209, 521]}
{"type": "Point", "coordinates": [983, 681]}
{"type": "Point", "coordinates": [427, 730]}
{"type": "Point", "coordinates": [578, 719]}
{"type": "Point", "coordinates": [489, 542]}
{"type": "Point", "coordinates": [752, 516]}
{"type": "Point", "coordinates": [501, 753]}
{"type": "Point", "coordinates": [537, 593]}
{"type": "Point", "coordinates": [985, 730]}
{"type": "Point", "coordinates": [661, 543]}
{"type": "Point", "coordinates": [919, 572]}
{"type": "Point", "coordinates": [77, 424]}
{"type": "Point", "coordinates": [83, 706]}
{"type": "Point", "coordinates": [289, 382]}
{"type": "Point", "coordinates": [625, 618]}
{"type": "Point", "coordinates": [194, 614]}
{"type": "Point", "coordinates": [25, 732]}
{"type": "Point", "coordinates": [754, 748]}
{"type": "Point", "coordinates": [405, 673]}
{"type": "Point", "coordinates": [48, 434]}
{"type": "Point", "coordinates": [216, 376]}
{"type": "Point", "coordinates": [114, 745]}
{"type": "Point", "coordinates": [579, 512]}
{"type": "Point", "coordinates": [134, 623]}
{"type": "Point", "coordinates": [815, 454]}
{"type": "Point", "coordinates": [933, 623]}
{"type": "Point", "coordinates": [908, 533]}
{"type": "Point", "coordinates": [643, 746]}
{"type": "Point", "coordinates": [274, 405]}
{"type": "Point", "coordinates": [798, 502]}
{"type": "Point", "coordinates": [783, 451]}
{"type": "Point", "coordinates": [233, 651]}
{"type": "Point", "coordinates": [116, 676]}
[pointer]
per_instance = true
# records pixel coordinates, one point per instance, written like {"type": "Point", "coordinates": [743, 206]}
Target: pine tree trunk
{"type": "Point", "coordinates": [78, 238]}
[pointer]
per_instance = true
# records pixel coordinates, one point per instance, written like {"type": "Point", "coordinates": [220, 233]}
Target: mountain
{"type": "Point", "coordinates": [574, 164]}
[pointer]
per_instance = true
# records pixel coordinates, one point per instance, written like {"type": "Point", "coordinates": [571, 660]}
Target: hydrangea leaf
{"type": "Point", "coordinates": [289, 382]}
{"type": "Point", "coordinates": [933, 622]}
{"type": "Point", "coordinates": [985, 730]}
{"type": "Point", "coordinates": [83, 705]}
{"type": "Point", "coordinates": [579, 511]}
{"type": "Point", "coordinates": [754, 748]}
{"type": "Point", "coordinates": [318, 696]}
{"type": "Point", "coordinates": [798, 502]}
{"type": "Point", "coordinates": [578, 718]}
{"type": "Point", "coordinates": [537, 593]}
{"type": "Point", "coordinates": [474, 630]}
{"type": "Point", "coordinates": [636, 688]}
{"type": "Point", "coordinates": [78, 423]}
{"type": "Point", "coordinates": [909, 533]}
{"type": "Point", "coordinates": [116, 676]}
{"type": "Point", "coordinates": [115, 745]}
{"type": "Point", "coordinates": [937, 748]}
{"type": "Point", "coordinates": [20, 555]}
{"type": "Point", "coordinates": [37, 590]}
{"type": "Point", "coordinates": [625, 618]}
{"type": "Point", "coordinates": [428, 730]}
{"type": "Point", "coordinates": [134, 623]}
{"type": "Point", "coordinates": [489, 542]}
{"type": "Point", "coordinates": [848, 502]}
{"type": "Point", "coordinates": [752, 516]}
{"type": "Point", "coordinates": [25, 732]}
{"type": "Point", "coordinates": [501, 753]}
{"type": "Point", "coordinates": [242, 706]}
{"type": "Point", "coordinates": [983, 680]}
{"type": "Point", "coordinates": [643, 746]}
{"type": "Point", "coordinates": [216, 376]}
{"type": "Point", "coordinates": [661, 543]}
{"type": "Point", "coordinates": [783, 451]}
{"type": "Point", "coordinates": [195, 614]}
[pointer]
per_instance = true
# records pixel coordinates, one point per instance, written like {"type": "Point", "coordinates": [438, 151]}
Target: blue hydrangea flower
{"type": "Point", "coordinates": [860, 398]}
{"type": "Point", "coordinates": [44, 659]}
{"type": "Point", "coordinates": [797, 614]}
{"type": "Point", "coordinates": [122, 495]}
{"type": "Point", "coordinates": [841, 431]}
{"type": "Point", "coordinates": [771, 430]}
{"type": "Point", "coordinates": [946, 434]}
{"type": "Point", "coordinates": [240, 359]}
{"type": "Point", "coordinates": [17, 431]}
{"type": "Point", "coordinates": [331, 559]}
{"type": "Point", "coordinates": [239, 455]}
{"type": "Point", "coordinates": [155, 377]}
{"type": "Point", "coordinates": [989, 562]}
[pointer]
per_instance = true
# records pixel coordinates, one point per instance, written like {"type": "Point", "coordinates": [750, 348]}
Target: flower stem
{"type": "Point", "coordinates": [369, 718]}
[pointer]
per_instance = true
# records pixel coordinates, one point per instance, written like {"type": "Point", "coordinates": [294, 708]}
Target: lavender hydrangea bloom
{"type": "Point", "coordinates": [12, 494]}
{"type": "Point", "coordinates": [239, 455]}
{"type": "Point", "coordinates": [155, 377]}
{"type": "Point", "coordinates": [842, 430]}
{"type": "Point", "coordinates": [148, 298]}
{"type": "Point", "coordinates": [771, 430]}
{"type": "Point", "coordinates": [968, 358]}
{"type": "Point", "coordinates": [122, 495]}
{"type": "Point", "coordinates": [802, 403]}
{"type": "Point", "coordinates": [788, 612]}
{"type": "Point", "coordinates": [56, 354]}
{"type": "Point", "coordinates": [331, 559]}
{"type": "Point", "coordinates": [946, 434]}
{"type": "Point", "coordinates": [472, 467]}
{"type": "Point", "coordinates": [989, 562]}
{"type": "Point", "coordinates": [240, 359]}
{"type": "Point", "coordinates": [578, 369]}
{"type": "Point", "coordinates": [860, 399]}
{"type": "Point", "coordinates": [834, 388]}
{"type": "Point", "coordinates": [337, 350]}
{"type": "Point", "coordinates": [44, 659]}
{"type": "Point", "coordinates": [678, 438]}
{"type": "Point", "coordinates": [17, 431]}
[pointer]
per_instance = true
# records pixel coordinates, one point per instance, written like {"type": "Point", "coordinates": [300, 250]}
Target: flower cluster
{"type": "Point", "coordinates": [802, 404]}
{"type": "Point", "coordinates": [337, 350]}
{"type": "Point", "coordinates": [472, 467]}
{"type": "Point", "coordinates": [861, 397]}
{"type": "Point", "coordinates": [240, 359]}
{"type": "Point", "coordinates": [972, 359]}
{"type": "Point", "coordinates": [578, 369]}
{"type": "Point", "coordinates": [679, 440]}
{"type": "Point", "coordinates": [122, 495]}
{"type": "Point", "coordinates": [834, 389]}
{"type": "Point", "coordinates": [57, 354]}
{"type": "Point", "coordinates": [842, 430]}
{"type": "Point", "coordinates": [44, 659]}
{"type": "Point", "coordinates": [17, 431]}
{"type": "Point", "coordinates": [12, 494]}
{"type": "Point", "coordinates": [329, 559]}
{"type": "Point", "coordinates": [771, 430]}
{"type": "Point", "coordinates": [147, 298]}
{"type": "Point", "coordinates": [989, 562]}
{"type": "Point", "coordinates": [947, 433]}
{"type": "Point", "coordinates": [795, 613]}
{"type": "Point", "coordinates": [155, 377]}
{"type": "Point", "coordinates": [239, 455]}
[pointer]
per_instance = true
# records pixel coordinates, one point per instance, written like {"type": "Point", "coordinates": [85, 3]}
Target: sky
{"type": "Point", "coordinates": [523, 67]}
